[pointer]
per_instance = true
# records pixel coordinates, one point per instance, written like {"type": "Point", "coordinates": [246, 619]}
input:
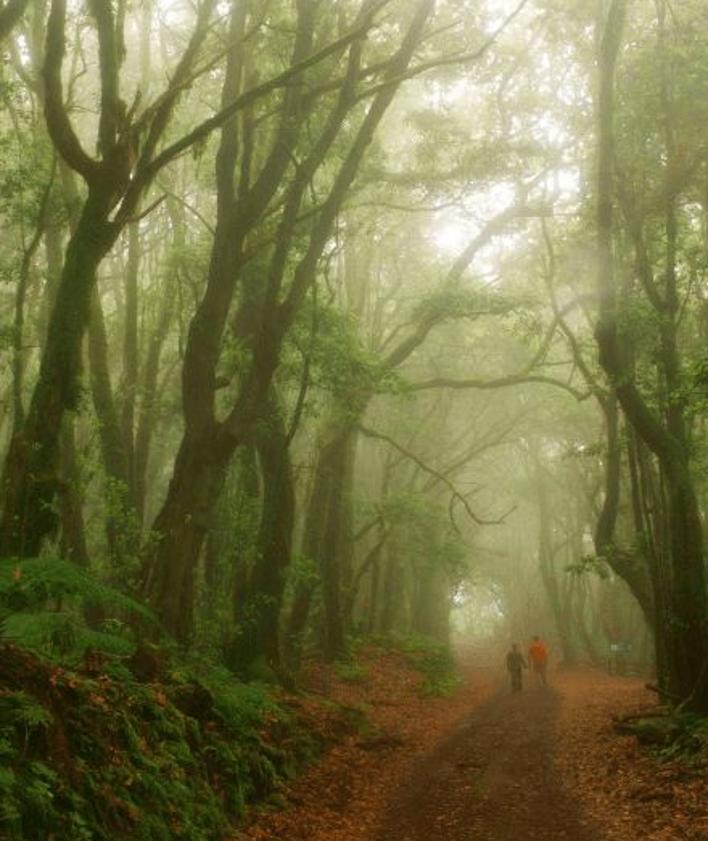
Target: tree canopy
{"type": "Point", "coordinates": [372, 316]}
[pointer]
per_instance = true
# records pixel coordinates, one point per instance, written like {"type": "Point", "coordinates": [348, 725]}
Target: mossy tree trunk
{"type": "Point", "coordinates": [30, 479]}
{"type": "Point", "coordinates": [666, 437]}
{"type": "Point", "coordinates": [115, 181]}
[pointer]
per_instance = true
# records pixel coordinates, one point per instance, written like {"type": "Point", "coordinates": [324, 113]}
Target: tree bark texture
{"type": "Point", "coordinates": [687, 634]}
{"type": "Point", "coordinates": [30, 475]}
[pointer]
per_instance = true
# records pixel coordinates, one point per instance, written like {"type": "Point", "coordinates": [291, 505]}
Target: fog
{"type": "Point", "coordinates": [326, 321]}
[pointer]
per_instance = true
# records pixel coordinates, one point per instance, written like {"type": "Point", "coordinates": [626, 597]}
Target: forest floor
{"type": "Point", "coordinates": [485, 765]}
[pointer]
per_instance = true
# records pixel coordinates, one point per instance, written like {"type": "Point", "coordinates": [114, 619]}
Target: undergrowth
{"type": "Point", "coordinates": [88, 758]}
{"type": "Point", "coordinates": [673, 735]}
{"type": "Point", "coordinates": [432, 659]}
{"type": "Point", "coordinates": [92, 750]}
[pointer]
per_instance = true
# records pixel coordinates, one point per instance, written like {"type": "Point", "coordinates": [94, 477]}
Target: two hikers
{"type": "Point", "coordinates": [515, 663]}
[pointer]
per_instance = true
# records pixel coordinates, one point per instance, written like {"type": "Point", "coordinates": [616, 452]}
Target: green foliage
{"type": "Point", "coordinates": [340, 364]}
{"type": "Point", "coordinates": [351, 671]}
{"type": "Point", "coordinates": [431, 658]}
{"type": "Point", "coordinates": [688, 738]}
{"type": "Point", "coordinates": [589, 565]}
{"type": "Point", "coordinates": [41, 602]}
{"type": "Point", "coordinates": [676, 735]}
{"type": "Point", "coordinates": [19, 708]}
{"type": "Point", "coordinates": [29, 583]}
{"type": "Point", "coordinates": [107, 758]}
{"type": "Point", "coordinates": [303, 570]}
{"type": "Point", "coordinates": [452, 302]}
{"type": "Point", "coordinates": [26, 784]}
{"type": "Point", "coordinates": [425, 534]}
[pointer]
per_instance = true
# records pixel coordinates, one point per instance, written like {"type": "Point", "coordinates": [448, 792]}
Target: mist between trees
{"type": "Point", "coordinates": [330, 318]}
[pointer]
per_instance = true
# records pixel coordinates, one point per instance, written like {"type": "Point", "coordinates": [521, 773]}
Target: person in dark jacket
{"type": "Point", "coordinates": [514, 664]}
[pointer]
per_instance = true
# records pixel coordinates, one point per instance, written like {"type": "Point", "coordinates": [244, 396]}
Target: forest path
{"type": "Point", "coordinates": [485, 765]}
{"type": "Point", "coordinates": [493, 779]}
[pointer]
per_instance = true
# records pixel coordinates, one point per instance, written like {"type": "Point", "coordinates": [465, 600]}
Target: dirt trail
{"type": "Point", "coordinates": [493, 779]}
{"type": "Point", "coordinates": [486, 765]}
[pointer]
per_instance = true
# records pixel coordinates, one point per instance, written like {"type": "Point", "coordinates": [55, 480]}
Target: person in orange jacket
{"type": "Point", "coordinates": [538, 655]}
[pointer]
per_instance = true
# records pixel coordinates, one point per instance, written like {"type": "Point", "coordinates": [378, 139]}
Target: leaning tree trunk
{"type": "Point", "coordinates": [72, 543]}
{"type": "Point", "coordinates": [633, 567]}
{"type": "Point", "coordinates": [180, 528]}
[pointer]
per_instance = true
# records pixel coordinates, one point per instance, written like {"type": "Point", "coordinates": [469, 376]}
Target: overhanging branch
{"type": "Point", "coordinates": [456, 495]}
{"type": "Point", "coordinates": [58, 124]}
{"type": "Point", "coordinates": [500, 382]}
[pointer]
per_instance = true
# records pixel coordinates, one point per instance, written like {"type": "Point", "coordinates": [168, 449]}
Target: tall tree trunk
{"type": "Point", "coordinates": [687, 635]}
{"type": "Point", "coordinates": [337, 465]}
{"type": "Point", "coordinates": [72, 539]}
{"type": "Point", "coordinates": [149, 401]}
{"type": "Point", "coordinates": [649, 518]}
{"type": "Point", "coordinates": [546, 556]}
{"type": "Point", "coordinates": [632, 566]}
{"type": "Point", "coordinates": [181, 525]}
{"type": "Point", "coordinates": [326, 535]}
{"type": "Point", "coordinates": [581, 619]}
{"type": "Point", "coordinates": [122, 534]}
{"type": "Point", "coordinates": [130, 357]}
{"type": "Point", "coordinates": [30, 478]}
{"type": "Point", "coordinates": [259, 604]}
{"type": "Point", "coordinates": [430, 614]}
{"type": "Point", "coordinates": [72, 543]}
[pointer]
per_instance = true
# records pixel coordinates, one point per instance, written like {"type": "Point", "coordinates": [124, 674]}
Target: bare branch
{"type": "Point", "coordinates": [456, 495]}
{"type": "Point", "coordinates": [58, 124]}
{"type": "Point", "coordinates": [344, 178]}
{"type": "Point", "coordinates": [187, 206]}
{"type": "Point", "coordinates": [442, 61]}
{"type": "Point", "coordinates": [366, 528]}
{"type": "Point", "coordinates": [559, 315]}
{"type": "Point", "coordinates": [149, 169]}
{"type": "Point", "coordinates": [500, 382]}
{"type": "Point", "coordinates": [145, 169]}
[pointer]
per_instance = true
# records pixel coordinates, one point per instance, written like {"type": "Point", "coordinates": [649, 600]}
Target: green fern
{"type": "Point", "coordinates": [19, 708]}
{"type": "Point", "coordinates": [41, 601]}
